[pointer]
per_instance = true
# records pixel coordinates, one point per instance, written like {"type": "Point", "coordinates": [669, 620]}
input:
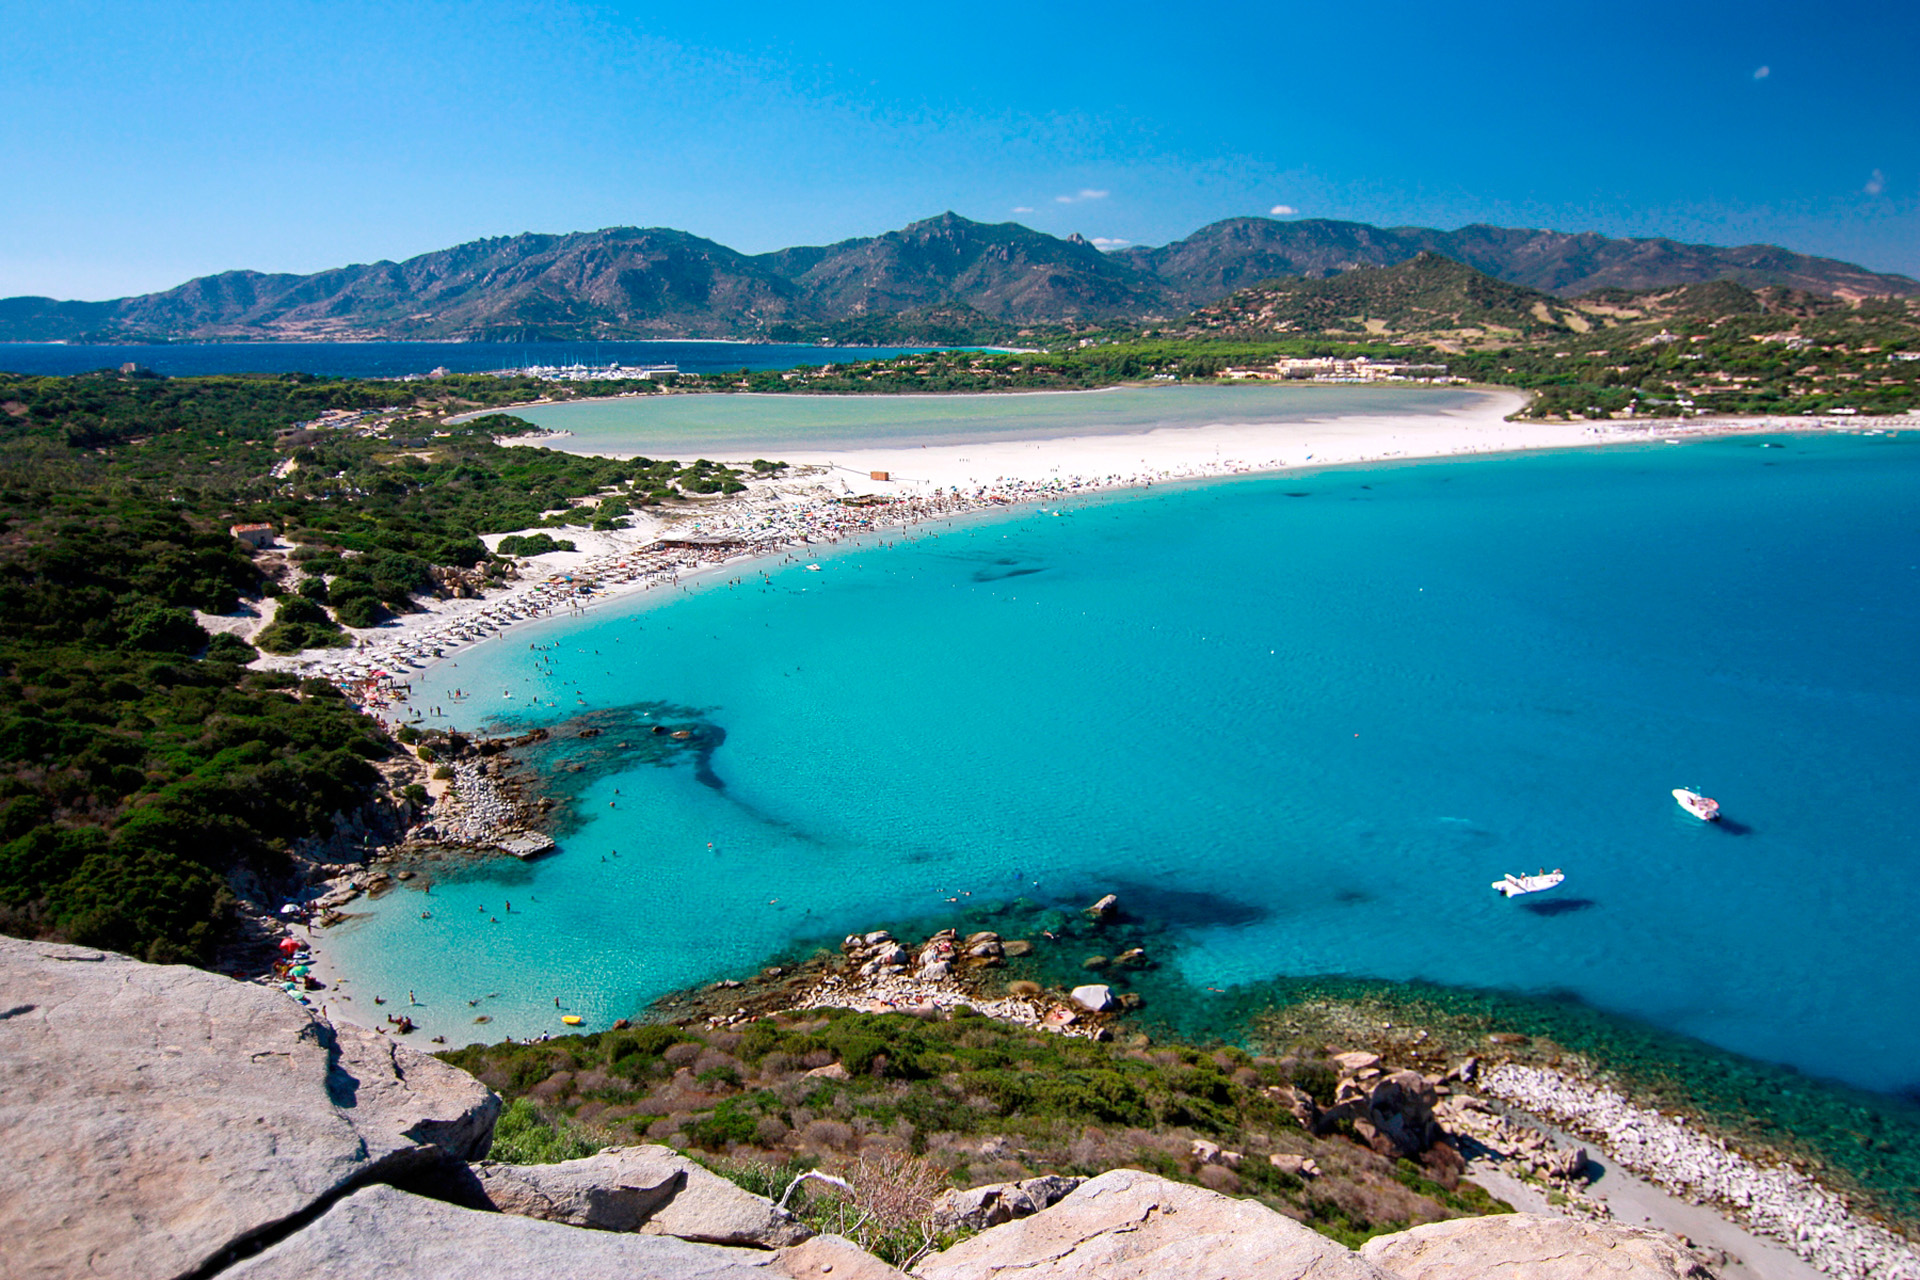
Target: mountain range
{"type": "Point", "coordinates": [944, 279]}
{"type": "Point", "coordinates": [1432, 300]}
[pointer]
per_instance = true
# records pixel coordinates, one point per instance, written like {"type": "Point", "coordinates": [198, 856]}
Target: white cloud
{"type": "Point", "coordinates": [1875, 184]}
{"type": "Point", "coordinates": [1021, 208]}
{"type": "Point", "coordinates": [1761, 73]}
{"type": "Point", "coordinates": [1086, 193]}
{"type": "Point", "coordinates": [1103, 244]}
{"type": "Point", "coordinates": [1282, 210]}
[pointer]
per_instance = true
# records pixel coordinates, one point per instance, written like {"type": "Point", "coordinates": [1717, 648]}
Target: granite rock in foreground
{"type": "Point", "coordinates": [651, 1188]}
{"type": "Point", "coordinates": [1128, 1225]}
{"type": "Point", "coordinates": [1512, 1246]}
{"type": "Point", "coordinates": [379, 1231]}
{"type": "Point", "coordinates": [832, 1258]}
{"type": "Point", "coordinates": [153, 1116]}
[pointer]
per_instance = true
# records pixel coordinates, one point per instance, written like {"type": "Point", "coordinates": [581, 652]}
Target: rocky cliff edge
{"type": "Point", "coordinates": [164, 1123]}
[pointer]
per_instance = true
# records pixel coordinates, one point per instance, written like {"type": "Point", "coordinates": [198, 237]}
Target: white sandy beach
{"type": "Point", "coordinates": [939, 481]}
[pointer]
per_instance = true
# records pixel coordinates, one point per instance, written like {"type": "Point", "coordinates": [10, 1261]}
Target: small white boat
{"type": "Point", "coordinates": [1513, 886]}
{"type": "Point", "coordinates": [813, 568]}
{"type": "Point", "coordinates": [1701, 807]}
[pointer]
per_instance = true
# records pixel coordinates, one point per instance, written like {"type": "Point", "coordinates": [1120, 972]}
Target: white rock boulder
{"type": "Point", "coordinates": [1128, 1225]}
{"type": "Point", "coordinates": [1523, 1246]}
{"type": "Point", "coordinates": [651, 1189]}
{"type": "Point", "coordinates": [382, 1232]}
{"type": "Point", "coordinates": [832, 1258]}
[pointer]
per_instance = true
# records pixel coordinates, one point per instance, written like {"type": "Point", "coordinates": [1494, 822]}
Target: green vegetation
{"type": "Point", "coordinates": [132, 783]}
{"type": "Point", "coordinates": [523, 1136]}
{"type": "Point", "coordinates": [532, 544]}
{"type": "Point", "coordinates": [140, 763]}
{"type": "Point", "coordinates": [973, 1100]}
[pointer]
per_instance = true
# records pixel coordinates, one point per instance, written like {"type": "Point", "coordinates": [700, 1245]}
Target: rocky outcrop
{"type": "Point", "coordinates": [977, 1208]}
{"type": "Point", "coordinates": [832, 1258]}
{"type": "Point", "coordinates": [379, 1231]}
{"type": "Point", "coordinates": [651, 1189]}
{"type": "Point", "coordinates": [1391, 1112]}
{"type": "Point", "coordinates": [1524, 1245]}
{"type": "Point", "coordinates": [1128, 1225]}
{"type": "Point", "coordinates": [154, 1116]}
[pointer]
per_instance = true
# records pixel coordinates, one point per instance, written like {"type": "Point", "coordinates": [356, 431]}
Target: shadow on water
{"type": "Point", "coordinates": [1559, 906]}
{"type": "Point", "coordinates": [1189, 908]}
{"type": "Point", "coordinates": [1734, 827]}
{"type": "Point", "coordinates": [988, 575]}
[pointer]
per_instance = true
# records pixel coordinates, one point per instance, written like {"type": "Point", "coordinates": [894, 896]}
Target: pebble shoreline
{"type": "Point", "coordinates": [1779, 1202]}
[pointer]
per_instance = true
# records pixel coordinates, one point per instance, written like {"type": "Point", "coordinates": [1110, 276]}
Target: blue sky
{"type": "Point", "coordinates": [148, 143]}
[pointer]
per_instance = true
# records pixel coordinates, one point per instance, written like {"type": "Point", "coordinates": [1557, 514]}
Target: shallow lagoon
{"type": "Point", "coordinates": [1327, 709]}
{"type": "Point", "coordinates": [734, 426]}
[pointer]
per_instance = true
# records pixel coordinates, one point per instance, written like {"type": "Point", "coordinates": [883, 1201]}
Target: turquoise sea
{"type": "Point", "coordinates": [1306, 718]}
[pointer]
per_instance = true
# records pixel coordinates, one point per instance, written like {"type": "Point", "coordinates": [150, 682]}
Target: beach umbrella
{"type": "Point", "coordinates": [288, 946]}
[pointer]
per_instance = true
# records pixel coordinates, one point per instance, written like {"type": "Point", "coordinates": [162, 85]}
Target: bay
{"type": "Point", "coordinates": [1310, 716]}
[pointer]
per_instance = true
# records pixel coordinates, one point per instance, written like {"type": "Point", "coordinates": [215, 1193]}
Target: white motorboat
{"type": "Point", "coordinates": [1701, 807]}
{"type": "Point", "coordinates": [1513, 886]}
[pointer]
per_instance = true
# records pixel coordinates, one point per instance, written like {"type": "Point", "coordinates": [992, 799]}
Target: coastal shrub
{"type": "Point", "coordinates": [860, 1053]}
{"type": "Point", "coordinates": [360, 609]}
{"type": "Point", "coordinates": [728, 1124]}
{"type": "Point", "coordinates": [300, 608]}
{"type": "Point", "coordinates": [157, 628]}
{"type": "Point", "coordinates": [426, 753]}
{"type": "Point", "coordinates": [227, 647]}
{"type": "Point", "coordinates": [769, 1179]}
{"type": "Point", "coordinates": [532, 544]}
{"type": "Point", "coordinates": [292, 637]}
{"type": "Point", "coordinates": [314, 589]}
{"type": "Point", "coordinates": [522, 1135]}
{"type": "Point", "coordinates": [407, 735]}
{"type": "Point", "coordinates": [1317, 1080]}
{"type": "Point", "coordinates": [444, 773]}
{"type": "Point", "coordinates": [415, 794]}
